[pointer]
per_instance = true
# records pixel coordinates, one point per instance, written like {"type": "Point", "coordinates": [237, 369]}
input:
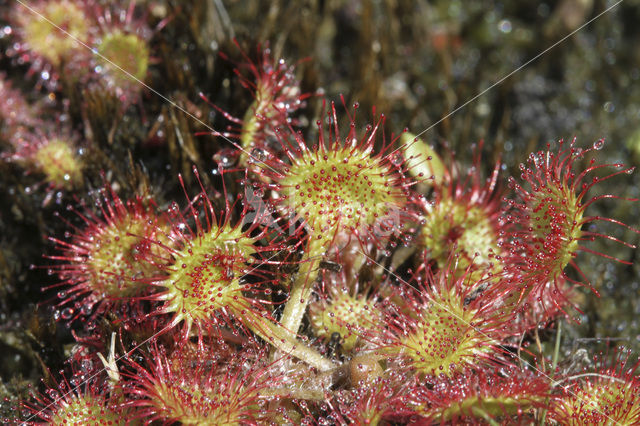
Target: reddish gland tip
{"type": "Point", "coordinates": [547, 222]}
{"type": "Point", "coordinates": [446, 325]}
{"type": "Point", "coordinates": [611, 395]}
{"type": "Point", "coordinates": [340, 187]}
{"type": "Point", "coordinates": [103, 264]}
{"type": "Point", "coordinates": [183, 388]}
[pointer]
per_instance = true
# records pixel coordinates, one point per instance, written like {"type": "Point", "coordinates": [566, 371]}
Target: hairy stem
{"type": "Point", "coordinates": [303, 285]}
{"type": "Point", "coordinates": [248, 132]}
{"type": "Point", "coordinates": [478, 411]}
{"type": "Point", "coordinates": [283, 340]}
{"type": "Point", "coordinates": [556, 353]}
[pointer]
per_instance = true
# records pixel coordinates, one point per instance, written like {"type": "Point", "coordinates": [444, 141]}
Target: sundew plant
{"type": "Point", "coordinates": [315, 212]}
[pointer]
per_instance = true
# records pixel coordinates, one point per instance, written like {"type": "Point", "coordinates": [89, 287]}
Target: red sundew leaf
{"type": "Point", "coordinates": [120, 49]}
{"type": "Point", "coordinates": [49, 34]}
{"type": "Point", "coordinates": [92, 401]}
{"type": "Point", "coordinates": [277, 97]}
{"type": "Point", "coordinates": [442, 324]}
{"type": "Point", "coordinates": [464, 218]}
{"type": "Point", "coordinates": [473, 395]}
{"type": "Point", "coordinates": [211, 270]}
{"type": "Point", "coordinates": [608, 395]}
{"type": "Point", "coordinates": [547, 221]}
{"type": "Point", "coordinates": [198, 388]}
{"type": "Point", "coordinates": [339, 187]}
{"type": "Point", "coordinates": [101, 265]}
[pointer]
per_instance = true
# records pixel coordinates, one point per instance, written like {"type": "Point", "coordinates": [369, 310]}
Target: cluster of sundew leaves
{"type": "Point", "coordinates": [94, 49]}
{"type": "Point", "coordinates": [446, 321]}
{"type": "Point", "coordinates": [92, 43]}
{"type": "Point", "coordinates": [605, 396]}
{"type": "Point", "coordinates": [45, 148]}
{"type": "Point", "coordinates": [103, 265]}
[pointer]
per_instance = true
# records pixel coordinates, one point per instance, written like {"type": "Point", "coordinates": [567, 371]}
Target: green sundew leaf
{"type": "Point", "coordinates": [422, 158]}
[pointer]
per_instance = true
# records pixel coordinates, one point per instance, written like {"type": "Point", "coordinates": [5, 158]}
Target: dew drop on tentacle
{"type": "Point", "coordinates": [53, 394]}
{"type": "Point", "coordinates": [67, 313]}
{"type": "Point", "coordinates": [598, 144]}
{"type": "Point", "coordinates": [173, 210]}
{"type": "Point", "coordinates": [397, 159]}
{"type": "Point", "coordinates": [259, 154]}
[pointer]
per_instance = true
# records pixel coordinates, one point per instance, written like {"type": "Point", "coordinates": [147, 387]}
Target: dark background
{"type": "Point", "coordinates": [416, 61]}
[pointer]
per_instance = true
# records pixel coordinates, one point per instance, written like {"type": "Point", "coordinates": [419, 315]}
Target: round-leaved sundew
{"type": "Point", "coordinates": [476, 394]}
{"type": "Point", "coordinates": [50, 35]}
{"type": "Point", "coordinates": [60, 163]}
{"type": "Point", "coordinates": [464, 219]}
{"type": "Point", "coordinates": [176, 389]}
{"type": "Point", "coordinates": [343, 314]}
{"type": "Point", "coordinates": [204, 274]}
{"type": "Point", "coordinates": [103, 263]}
{"type": "Point", "coordinates": [213, 276]}
{"type": "Point", "coordinates": [121, 51]}
{"type": "Point", "coordinates": [547, 222]}
{"type": "Point", "coordinates": [277, 97]}
{"type": "Point", "coordinates": [444, 323]}
{"type": "Point", "coordinates": [52, 151]}
{"type": "Point", "coordinates": [341, 189]}
{"type": "Point", "coordinates": [93, 402]}
{"type": "Point", "coordinates": [610, 395]}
